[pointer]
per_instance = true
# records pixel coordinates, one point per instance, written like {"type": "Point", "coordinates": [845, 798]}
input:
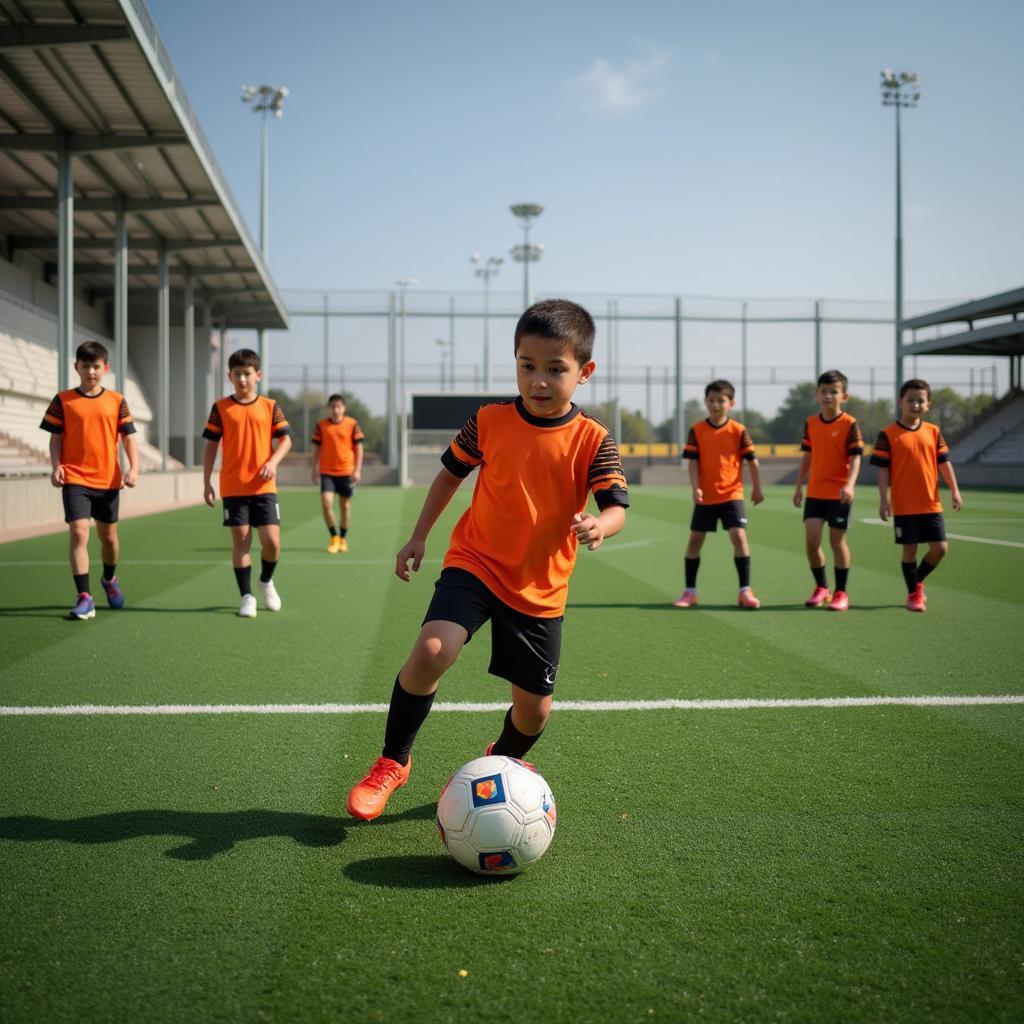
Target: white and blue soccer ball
{"type": "Point", "coordinates": [496, 815]}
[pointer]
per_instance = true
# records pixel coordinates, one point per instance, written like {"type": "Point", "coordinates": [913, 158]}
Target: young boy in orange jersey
{"type": "Point", "coordinates": [513, 550]}
{"type": "Point", "coordinates": [84, 424]}
{"type": "Point", "coordinates": [911, 455]}
{"type": "Point", "coordinates": [832, 447]}
{"type": "Point", "coordinates": [337, 466]}
{"type": "Point", "coordinates": [248, 424]}
{"type": "Point", "coordinates": [716, 449]}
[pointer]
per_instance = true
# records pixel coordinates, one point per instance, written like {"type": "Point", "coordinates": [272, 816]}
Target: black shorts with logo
{"type": "Point", "coordinates": [706, 517]}
{"type": "Point", "coordinates": [252, 510]}
{"type": "Point", "coordinates": [524, 649]}
{"type": "Point", "coordinates": [341, 484]}
{"type": "Point", "coordinates": [836, 513]}
{"type": "Point", "coordinates": [89, 503]}
{"type": "Point", "coordinates": [920, 529]}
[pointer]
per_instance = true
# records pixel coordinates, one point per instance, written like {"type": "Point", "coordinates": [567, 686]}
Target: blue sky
{"type": "Point", "coordinates": [728, 148]}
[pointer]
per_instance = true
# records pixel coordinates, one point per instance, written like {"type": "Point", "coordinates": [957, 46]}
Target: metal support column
{"type": "Point", "coordinates": [392, 422]}
{"type": "Point", "coordinates": [305, 407]}
{"type": "Point", "coordinates": [65, 264]}
{"type": "Point", "coordinates": [817, 339]}
{"type": "Point", "coordinates": [327, 349]}
{"type": "Point", "coordinates": [121, 297]}
{"type": "Point", "coordinates": [451, 342]}
{"type": "Point", "coordinates": [898, 314]}
{"type": "Point", "coordinates": [679, 374]}
{"type": "Point", "coordinates": [264, 353]}
{"type": "Point", "coordinates": [743, 360]}
{"type": "Point", "coordinates": [163, 333]}
{"type": "Point", "coordinates": [190, 373]}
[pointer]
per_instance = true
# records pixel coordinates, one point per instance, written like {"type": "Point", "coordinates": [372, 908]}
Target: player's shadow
{"type": "Point", "coordinates": [438, 871]}
{"type": "Point", "coordinates": [60, 611]}
{"type": "Point", "coordinates": [34, 611]}
{"type": "Point", "coordinates": [207, 833]}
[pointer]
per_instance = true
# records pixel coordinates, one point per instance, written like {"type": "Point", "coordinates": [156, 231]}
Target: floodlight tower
{"type": "Point", "coordinates": [485, 270]}
{"type": "Point", "coordinates": [265, 99]}
{"type": "Point", "coordinates": [526, 253]}
{"type": "Point", "coordinates": [899, 90]}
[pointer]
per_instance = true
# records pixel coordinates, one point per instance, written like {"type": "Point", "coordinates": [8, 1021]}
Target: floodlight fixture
{"type": "Point", "coordinates": [485, 269]}
{"type": "Point", "coordinates": [526, 253]}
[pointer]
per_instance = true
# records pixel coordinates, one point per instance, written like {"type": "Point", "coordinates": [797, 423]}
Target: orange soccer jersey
{"type": "Point", "coordinates": [719, 451]}
{"type": "Point", "coordinates": [246, 429]}
{"type": "Point", "coordinates": [535, 475]}
{"type": "Point", "coordinates": [89, 425]}
{"type": "Point", "coordinates": [337, 445]}
{"type": "Point", "coordinates": [912, 456]}
{"type": "Point", "coordinates": [832, 444]}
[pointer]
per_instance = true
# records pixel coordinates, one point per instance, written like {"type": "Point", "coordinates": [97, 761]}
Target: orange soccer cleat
{"type": "Point", "coordinates": [342, 544]}
{"type": "Point", "coordinates": [688, 599]}
{"type": "Point", "coordinates": [916, 601]}
{"type": "Point", "coordinates": [369, 796]}
{"type": "Point", "coordinates": [840, 602]}
{"type": "Point", "coordinates": [335, 546]}
{"type": "Point", "coordinates": [821, 595]}
{"type": "Point", "coordinates": [746, 599]}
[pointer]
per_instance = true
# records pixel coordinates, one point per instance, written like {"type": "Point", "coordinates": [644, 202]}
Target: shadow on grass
{"type": "Point", "coordinates": [209, 832]}
{"type": "Point", "coordinates": [667, 606]}
{"type": "Point", "coordinates": [425, 872]}
{"type": "Point", "coordinates": [60, 611]}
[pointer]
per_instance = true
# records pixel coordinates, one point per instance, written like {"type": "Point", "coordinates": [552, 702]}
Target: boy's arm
{"type": "Point", "coordinates": [131, 449]}
{"type": "Point", "coordinates": [801, 476]}
{"type": "Point", "coordinates": [846, 491]}
{"type": "Point", "coordinates": [756, 494]}
{"type": "Point", "coordinates": [316, 463]}
{"type": "Point", "coordinates": [441, 492]}
{"type": "Point", "coordinates": [358, 472]}
{"type": "Point", "coordinates": [946, 469]}
{"type": "Point", "coordinates": [593, 530]}
{"type": "Point", "coordinates": [269, 468]}
{"type": "Point", "coordinates": [693, 468]}
{"type": "Point", "coordinates": [56, 447]}
{"type": "Point", "coordinates": [209, 457]}
{"type": "Point", "coordinates": [884, 507]}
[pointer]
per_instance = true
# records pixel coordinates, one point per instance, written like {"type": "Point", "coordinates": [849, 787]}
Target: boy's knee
{"type": "Point", "coordinates": [433, 654]}
{"type": "Point", "coordinates": [938, 551]}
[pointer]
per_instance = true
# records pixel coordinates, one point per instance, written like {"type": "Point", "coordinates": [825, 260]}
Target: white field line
{"type": "Point", "coordinates": [960, 536]}
{"type": "Point", "coordinates": [738, 704]}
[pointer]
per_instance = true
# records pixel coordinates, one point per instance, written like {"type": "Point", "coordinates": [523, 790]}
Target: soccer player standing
{"type": "Point", "coordinates": [337, 466]}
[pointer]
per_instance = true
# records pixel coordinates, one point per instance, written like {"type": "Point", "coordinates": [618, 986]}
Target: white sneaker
{"type": "Point", "coordinates": [248, 608]}
{"type": "Point", "coordinates": [271, 599]}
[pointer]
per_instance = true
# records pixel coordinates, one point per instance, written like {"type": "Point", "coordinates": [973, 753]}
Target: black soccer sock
{"type": "Point", "coordinates": [267, 572]}
{"type": "Point", "coordinates": [743, 570]}
{"type": "Point", "coordinates": [408, 711]}
{"type": "Point", "coordinates": [244, 578]}
{"type": "Point", "coordinates": [82, 582]}
{"type": "Point", "coordinates": [343, 531]}
{"type": "Point", "coordinates": [692, 565]}
{"type": "Point", "coordinates": [109, 571]}
{"type": "Point", "coordinates": [512, 742]}
{"type": "Point", "coordinates": [333, 530]}
{"type": "Point", "coordinates": [925, 569]}
{"type": "Point", "coordinates": [818, 572]}
{"type": "Point", "coordinates": [842, 575]}
{"type": "Point", "coordinates": [909, 575]}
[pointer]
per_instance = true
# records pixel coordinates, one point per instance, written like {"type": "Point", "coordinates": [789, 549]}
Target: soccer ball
{"type": "Point", "coordinates": [496, 815]}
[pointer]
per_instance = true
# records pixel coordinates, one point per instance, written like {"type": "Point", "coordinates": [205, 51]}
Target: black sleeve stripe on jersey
{"type": "Point", "coordinates": [282, 431]}
{"type": "Point", "coordinates": [882, 442]}
{"type": "Point", "coordinates": [53, 428]}
{"type": "Point", "coordinates": [468, 439]}
{"type": "Point", "coordinates": [750, 456]}
{"type": "Point", "coordinates": [687, 454]}
{"type": "Point", "coordinates": [211, 435]}
{"type": "Point", "coordinates": [942, 457]}
{"type": "Point", "coordinates": [454, 465]}
{"type": "Point", "coordinates": [611, 496]}
{"type": "Point", "coordinates": [127, 428]}
{"type": "Point", "coordinates": [214, 418]}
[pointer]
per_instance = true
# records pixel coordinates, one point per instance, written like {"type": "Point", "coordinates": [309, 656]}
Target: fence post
{"type": "Point", "coordinates": [679, 374]}
{"type": "Point", "coordinates": [392, 423]}
{"type": "Point", "coordinates": [817, 339]}
{"type": "Point", "coordinates": [305, 407]}
{"type": "Point", "coordinates": [327, 350]}
{"type": "Point", "coordinates": [743, 360]}
{"type": "Point", "coordinates": [647, 411]}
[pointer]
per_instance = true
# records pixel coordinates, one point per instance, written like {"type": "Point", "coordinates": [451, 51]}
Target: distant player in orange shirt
{"type": "Point", "coordinates": [84, 424]}
{"type": "Point", "coordinates": [715, 450]}
{"type": "Point", "coordinates": [513, 550]}
{"type": "Point", "coordinates": [337, 466]}
{"type": "Point", "coordinates": [248, 424]}
{"type": "Point", "coordinates": [911, 455]}
{"type": "Point", "coordinates": [832, 447]}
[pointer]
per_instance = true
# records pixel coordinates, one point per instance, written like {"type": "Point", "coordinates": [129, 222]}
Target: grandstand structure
{"type": "Point", "coordinates": [116, 224]}
{"type": "Point", "coordinates": [991, 453]}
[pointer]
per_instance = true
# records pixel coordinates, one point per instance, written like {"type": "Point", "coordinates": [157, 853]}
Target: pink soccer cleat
{"type": "Point", "coordinates": [688, 599]}
{"type": "Point", "coordinates": [840, 602]}
{"type": "Point", "coordinates": [746, 599]}
{"type": "Point", "coordinates": [916, 600]}
{"type": "Point", "coordinates": [821, 596]}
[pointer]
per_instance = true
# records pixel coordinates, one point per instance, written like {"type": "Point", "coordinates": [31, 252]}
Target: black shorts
{"type": "Point", "coordinates": [836, 513]}
{"type": "Point", "coordinates": [524, 649]}
{"type": "Point", "coordinates": [731, 513]}
{"type": "Point", "coordinates": [252, 510]}
{"type": "Point", "coordinates": [342, 484]}
{"type": "Point", "coordinates": [89, 503]}
{"type": "Point", "coordinates": [920, 529]}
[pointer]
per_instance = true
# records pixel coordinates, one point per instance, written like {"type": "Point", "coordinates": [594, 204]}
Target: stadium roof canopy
{"type": "Point", "coordinates": [92, 78]}
{"type": "Point", "coordinates": [1005, 337]}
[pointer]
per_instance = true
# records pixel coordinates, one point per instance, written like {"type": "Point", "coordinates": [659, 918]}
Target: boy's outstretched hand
{"type": "Point", "coordinates": [588, 530]}
{"type": "Point", "coordinates": [413, 549]}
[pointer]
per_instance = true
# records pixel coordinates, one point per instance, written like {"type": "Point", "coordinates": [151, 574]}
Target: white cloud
{"type": "Point", "coordinates": [616, 90]}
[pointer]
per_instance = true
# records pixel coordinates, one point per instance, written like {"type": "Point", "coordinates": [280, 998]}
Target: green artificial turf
{"type": "Point", "coordinates": [854, 864]}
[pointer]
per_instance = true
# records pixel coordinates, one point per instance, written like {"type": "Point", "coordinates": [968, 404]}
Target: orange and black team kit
{"type": "Point", "coordinates": [89, 426]}
{"type": "Point", "coordinates": [337, 442]}
{"type": "Point", "coordinates": [246, 431]}
{"type": "Point", "coordinates": [831, 445]}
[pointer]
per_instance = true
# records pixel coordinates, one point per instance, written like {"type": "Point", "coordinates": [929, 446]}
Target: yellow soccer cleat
{"type": "Point", "coordinates": [342, 544]}
{"type": "Point", "coordinates": [335, 546]}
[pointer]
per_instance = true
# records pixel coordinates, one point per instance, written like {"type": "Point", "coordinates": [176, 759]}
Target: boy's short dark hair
{"type": "Point", "coordinates": [724, 386]}
{"type": "Point", "coordinates": [244, 357]}
{"type": "Point", "coordinates": [835, 377]}
{"type": "Point", "coordinates": [92, 352]}
{"type": "Point", "coordinates": [336, 398]}
{"type": "Point", "coordinates": [916, 384]}
{"type": "Point", "coordinates": [562, 319]}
